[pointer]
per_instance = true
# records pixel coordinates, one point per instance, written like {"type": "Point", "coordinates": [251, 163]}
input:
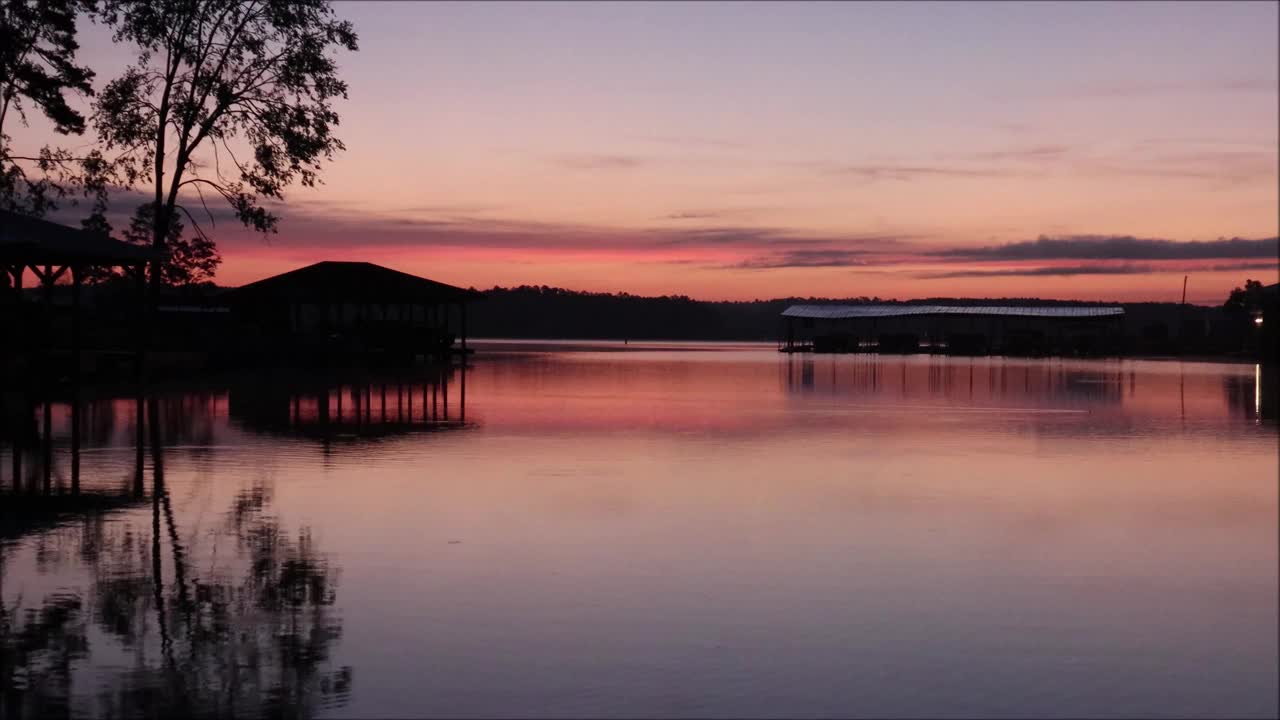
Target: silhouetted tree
{"type": "Point", "coordinates": [230, 97]}
{"type": "Point", "coordinates": [38, 70]}
{"type": "Point", "coordinates": [188, 260]}
{"type": "Point", "coordinates": [1244, 299]}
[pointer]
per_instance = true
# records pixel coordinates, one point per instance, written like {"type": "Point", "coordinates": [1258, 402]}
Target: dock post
{"type": "Point", "coordinates": [75, 381]}
{"type": "Point", "coordinates": [462, 310]}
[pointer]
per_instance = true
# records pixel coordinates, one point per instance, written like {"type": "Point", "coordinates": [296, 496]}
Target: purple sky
{"type": "Point", "coordinates": [755, 150]}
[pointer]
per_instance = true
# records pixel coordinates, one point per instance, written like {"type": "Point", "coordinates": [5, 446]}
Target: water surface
{"type": "Point", "coordinates": [662, 529]}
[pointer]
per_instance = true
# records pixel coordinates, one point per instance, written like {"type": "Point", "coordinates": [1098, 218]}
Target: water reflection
{"type": "Point", "coordinates": [326, 407]}
{"type": "Point", "coordinates": [1254, 398]}
{"type": "Point", "coordinates": [1106, 389]}
{"type": "Point", "coordinates": [223, 612]}
{"type": "Point", "coordinates": [963, 380]}
{"type": "Point", "coordinates": [650, 532]}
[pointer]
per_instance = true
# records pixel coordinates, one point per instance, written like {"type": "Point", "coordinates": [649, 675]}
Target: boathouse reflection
{"type": "Point", "coordinates": [944, 378]}
{"type": "Point", "coordinates": [329, 407]}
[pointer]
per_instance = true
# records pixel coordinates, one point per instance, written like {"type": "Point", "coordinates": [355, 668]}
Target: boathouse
{"type": "Point", "coordinates": [350, 309]}
{"type": "Point", "coordinates": [959, 329]}
{"type": "Point", "coordinates": [55, 254]}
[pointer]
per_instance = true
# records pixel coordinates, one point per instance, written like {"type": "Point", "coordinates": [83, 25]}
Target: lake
{"type": "Point", "coordinates": [676, 529]}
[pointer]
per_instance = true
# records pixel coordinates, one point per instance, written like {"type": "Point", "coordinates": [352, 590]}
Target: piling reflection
{"type": "Point", "coordinates": [959, 380]}
{"type": "Point", "coordinates": [1188, 391]}
{"type": "Point", "coordinates": [329, 407]}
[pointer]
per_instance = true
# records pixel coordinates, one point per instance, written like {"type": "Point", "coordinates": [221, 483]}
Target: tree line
{"type": "Point", "coordinates": [532, 311]}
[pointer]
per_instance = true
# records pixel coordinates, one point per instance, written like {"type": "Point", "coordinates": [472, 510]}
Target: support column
{"type": "Point", "coordinates": [140, 351]}
{"type": "Point", "coordinates": [444, 314]}
{"type": "Point", "coordinates": [14, 357]}
{"type": "Point", "coordinates": [17, 443]}
{"type": "Point", "coordinates": [139, 423]}
{"type": "Point", "coordinates": [13, 353]}
{"type": "Point", "coordinates": [46, 440]}
{"type": "Point", "coordinates": [462, 330]}
{"type": "Point", "coordinates": [75, 380]}
{"type": "Point", "coordinates": [46, 429]}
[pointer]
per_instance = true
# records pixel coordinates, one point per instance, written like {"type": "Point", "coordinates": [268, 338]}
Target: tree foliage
{"type": "Point", "coordinates": [189, 259]}
{"type": "Point", "coordinates": [38, 71]}
{"type": "Point", "coordinates": [1244, 299]}
{"type": "Point", "coordinates": [226, 99]}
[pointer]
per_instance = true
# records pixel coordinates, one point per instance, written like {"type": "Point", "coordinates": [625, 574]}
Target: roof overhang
{"type": "Point", "coordinates": [33, 241]}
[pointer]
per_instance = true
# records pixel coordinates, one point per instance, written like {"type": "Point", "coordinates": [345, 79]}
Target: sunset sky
{"type": "Point", "coordinates": [763, 150]}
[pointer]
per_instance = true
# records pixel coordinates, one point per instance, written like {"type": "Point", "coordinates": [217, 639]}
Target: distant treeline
{"type": "Point", "coordinates": [546, 312]}
{"type": "Point", "coordinates": [540, 312]}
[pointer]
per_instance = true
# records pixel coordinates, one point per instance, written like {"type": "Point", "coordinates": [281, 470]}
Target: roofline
{"type": "Point", "coordinates": [855, 312]}
{"type": "Point", "coordinates": [39, 242]}
{"type": "Point", "coordinates": [257, 285]}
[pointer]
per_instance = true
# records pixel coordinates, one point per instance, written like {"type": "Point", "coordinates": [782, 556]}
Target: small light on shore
{"type": "Point", "coordinates": [1257, 320]}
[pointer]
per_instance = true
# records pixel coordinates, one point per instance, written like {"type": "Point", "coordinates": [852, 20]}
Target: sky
{"type": "Point", "coordinates": [755, 150]}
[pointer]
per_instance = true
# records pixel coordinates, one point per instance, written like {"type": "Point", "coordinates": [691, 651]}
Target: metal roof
{"type": "Point", "coordinates": [842, 312]}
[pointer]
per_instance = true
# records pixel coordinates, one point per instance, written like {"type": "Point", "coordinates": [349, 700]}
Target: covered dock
{"type": "Point", "coordinates": [54, 253]}
{"type": "Point", "coordinates": [41, 339]}
{"type": "Point", "coordinates": [350, 309]}
{"type": "Point", "coordinates": [957, 329]}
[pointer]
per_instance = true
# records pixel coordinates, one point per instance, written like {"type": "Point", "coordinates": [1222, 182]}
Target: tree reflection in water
{"type": "Point", "coordinates": [171, 629]}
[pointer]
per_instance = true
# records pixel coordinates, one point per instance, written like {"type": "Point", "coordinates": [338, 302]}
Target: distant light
{"type": "Point", "coordinates": [1257, 320]}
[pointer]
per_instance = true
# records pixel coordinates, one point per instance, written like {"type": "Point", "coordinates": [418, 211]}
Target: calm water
{"type": "Point", "coordinates": [687, 530]}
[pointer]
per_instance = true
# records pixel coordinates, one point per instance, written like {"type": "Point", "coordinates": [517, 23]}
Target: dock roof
{"type": "Point", "coordinates": [332, 281]}
{"type": "Point", "coordinates": [33, 241]}
{"type": "Point", "coordinates": [842, 312]}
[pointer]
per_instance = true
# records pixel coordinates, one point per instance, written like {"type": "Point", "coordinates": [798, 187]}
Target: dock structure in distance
{"type": "Point", "coordinates": [955, 329]}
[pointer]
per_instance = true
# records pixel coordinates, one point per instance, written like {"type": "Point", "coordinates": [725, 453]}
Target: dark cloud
{"type": "Point", "coordinates": [732, 236]}
{"type": "Point", "coordinates": [807, 259]}
{"type": "Point", "coordinates": [1118, 247]}
{"type": "Point", "coordinates": [209, 213]}
{"type": "Point", "coordinates": [344, 228]}
{"type": "Point", "coordinates": [1127, 269]}
{"type": "Point", "coordinates": [598, 162]}
{"type": "Point", "coordinates": [1043, 272]}
{"type": "Point", "coordinates": [1273, 265]}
